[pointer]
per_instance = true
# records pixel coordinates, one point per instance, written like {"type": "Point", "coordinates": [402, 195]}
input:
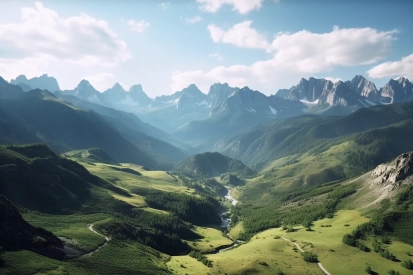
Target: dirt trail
{"type": "Point", "coordinates": [319, 264]}
{"type": "Point", "coordinates": [107, 239]}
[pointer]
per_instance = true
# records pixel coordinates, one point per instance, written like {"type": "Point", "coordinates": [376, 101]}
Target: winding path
{"type": "Point", "coordinates": [319, 264]}
{"type": "Point", "coordinates": [107, 239]}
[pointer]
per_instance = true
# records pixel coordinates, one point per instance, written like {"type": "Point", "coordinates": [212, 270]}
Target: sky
{"type": "Point", "coordinates": [167, 45]}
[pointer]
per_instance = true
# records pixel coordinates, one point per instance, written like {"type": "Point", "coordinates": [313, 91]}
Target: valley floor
{"type": "Point", "coordinates": [268, 253]}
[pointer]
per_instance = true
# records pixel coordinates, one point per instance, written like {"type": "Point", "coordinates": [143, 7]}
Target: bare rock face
{"type": "Point", "coordinates": [395, 171]}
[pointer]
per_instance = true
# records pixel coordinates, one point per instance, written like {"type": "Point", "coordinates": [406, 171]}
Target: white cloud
{"type": "Point", "coordinates": [240, 35]}
{"type": "Point", "coordinates": [216, 56]}
{"type": "Point", "coordinates": [101, 81]}
{"type": "Point", "coordinates": [241, 6]}
{"type": "Point", "coordinates": [165, 5]}
{"type": "Point", "coordinates": [138, 26]}
{"type": "Point", "coordinates": [296, 55]}
{"type": "Point", "coordinates": [193, 20]}
{"type": "Point", "coordinates": [45, 36]}
{"type": "Point", "coordinates": [404, 67]}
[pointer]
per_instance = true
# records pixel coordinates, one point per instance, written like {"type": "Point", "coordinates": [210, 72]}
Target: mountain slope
{"type": "Point", "coordinates": [298, 135]}
{"type": "Point", "coordinates": [38, 116]}
{"type": "Point", "coordinates": [148, 138]}
{"type": "Point", "coordinates": [34, 177]}
{"type": "Point", "coordinates": [212, 165]}
{"type": "Point", "coordinates": [16, 233]}
{"type": "Point", "coordinates": [244, 108]}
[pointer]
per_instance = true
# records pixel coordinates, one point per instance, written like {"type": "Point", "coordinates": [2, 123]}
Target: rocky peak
{"type": "Point", "coordinates": [136, 89]}
{"type": "Point", "coordinates": [193, 91]}
{"type": "Point", "coordinates": [43, 82]}
{"type": "Point", "coordinates": [117, 86]}
{"type": "Point", "coordinates": [363, 87]}
{"type": "Point", "coordinates": [138, 95]}
{"type": "Point", "coordinates": [400, 169]}
{"type": "Point", "coordinates": [83, 84]}
{"type": "Point", "coordinates": [218, 93]}
{"type": "Point", "coordinates": [86, 91]}
{"type": "Point", "coordinates": [21, 78]}
{"type": "Point", "coordinates": [308, 90]}
{"type": "Point", "coordinates": [399, 90]}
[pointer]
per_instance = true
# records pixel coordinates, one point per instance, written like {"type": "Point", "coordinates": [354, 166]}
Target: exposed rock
{"type": "Point", "coordinates": [395, 171]}
{"type": "Point", "coordinates": [399, 90]}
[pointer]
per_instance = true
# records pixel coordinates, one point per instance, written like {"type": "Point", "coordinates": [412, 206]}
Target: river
{"type": "Point", "coordinates": [226, 221]}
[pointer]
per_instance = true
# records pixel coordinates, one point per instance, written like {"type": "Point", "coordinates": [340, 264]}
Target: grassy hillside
{"type": "Point", "coordinates": [39, 116]}
{"type": "Point", "coordinates": [122, 204]}
{"type": "Point", "coordinates": [211, 165]}
{"type": "Point", "coordinates": [314, 134]}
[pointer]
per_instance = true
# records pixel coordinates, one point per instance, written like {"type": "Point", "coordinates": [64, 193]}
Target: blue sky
{"type": "Point", "coordinates": [167, 45]}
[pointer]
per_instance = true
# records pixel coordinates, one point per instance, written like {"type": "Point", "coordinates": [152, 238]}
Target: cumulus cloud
{"type": "Point", "coordinates": [165, 5]}
{"type": "Point", "coordinates": [193, 20]}
{"type": "Point", "coordinates": [404, 67]}
{"type": "Point", "coordinates": [293, 55]}
{"type": "Point", "coordinates": [138, 26]}
{"type": "Point", "coordinates": [241, 6]}
{"type": "Point", "coordinates": [240, 35]}
{"type": "Point", "coordinates": [44, 35]}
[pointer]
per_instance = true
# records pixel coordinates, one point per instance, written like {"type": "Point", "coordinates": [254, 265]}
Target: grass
{"type": "Point", "coordinates": [115, 258]}
{"type": "Point", "coordinates": [186, 265]}
{"type": "Point", "coordinates": [71, 227]}
{"type": "Point", "coordinates": [212, 239]}
{"type": "Point", "coordinates": [266, 253]}
{"type": "Point", "coordinates": [339, 258]}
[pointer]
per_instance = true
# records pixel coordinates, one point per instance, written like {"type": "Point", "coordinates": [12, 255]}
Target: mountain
{"type": "Point", "coordinates": [43, 82]}
{"type": "Point", "coordinates": [9, 91]}
{"type": "Point", "coordinates": [38, 116]}
{"type": "Point", "coordinates": [16, 233]}
{"type": "Point", "coordinates": [36, 178]}
{"type": "Point", "coordinates": [244, 108]}
{"type": "Point", "coordinates": [115, 94]}
{"type": "Point", "coordinates": [267, 143]}
{"type": "Point", "coordinates": [149, 139]}
{"type": "Point", "coordinates": [339, 98]}
{"type": "Point", "coordinates": [218, 94]}
{"type": "Point", "coordinates": [170, 112]}
{"type": "Point", "coordinates": [396, 91]}
{"type": "Point", "coordinates": [363, 87]}
{"type": "Point", "coordinates": [85, 91]}
{"type": "Point", "coordinates": [212, 165]}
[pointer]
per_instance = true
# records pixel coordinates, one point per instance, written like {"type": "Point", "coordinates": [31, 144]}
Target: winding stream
{"type": "Point", "coordinates": [226, 221]}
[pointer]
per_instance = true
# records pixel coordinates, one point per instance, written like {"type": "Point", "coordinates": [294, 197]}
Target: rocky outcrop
{"type": "Point", "coordinates": [396, 171]}
{"type": "Point", "coordinates": [364, 88]}
{"type": "Point", "coordinates": [399, 90]}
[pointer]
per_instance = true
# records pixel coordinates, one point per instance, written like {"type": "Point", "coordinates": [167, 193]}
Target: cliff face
{"type": "Point", "coordinates": [396, 171]}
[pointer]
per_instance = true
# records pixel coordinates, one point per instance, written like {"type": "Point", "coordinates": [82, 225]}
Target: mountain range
{"type": "Point", "coordinates": [174, 113]}
{"type": "Point", "coordinates": [168, 128]}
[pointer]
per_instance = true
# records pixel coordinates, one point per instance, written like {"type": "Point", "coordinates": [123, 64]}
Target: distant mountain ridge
{"type": "Point", "coordinates": [176, 112]}
{"type": "Point", "coordinates": [43, 82]}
